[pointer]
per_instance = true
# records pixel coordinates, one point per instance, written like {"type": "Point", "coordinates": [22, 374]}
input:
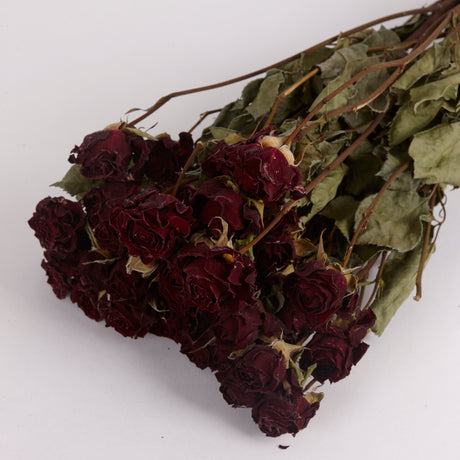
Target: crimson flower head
{"type": "Point", "coordinates": [149, 223]}
{"type": "Point", "coordinates": [59, 225]}
{"type": "Point", "coordinates": [262, 173]}
{"type": "Point", "coordinates": [109, 154]}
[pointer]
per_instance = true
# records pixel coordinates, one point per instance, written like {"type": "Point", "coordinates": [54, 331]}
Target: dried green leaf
{"type": "Point", "coordinates": [436, 154]}
{"type": "Point", "coordinates": [399, 276]}
{"type": "Point", "coordinates": [266, 96]}
{"type": "Point", "coordinates": [326, 190]}
{"type": "Point", "coordinates": [75, 183]}
{"type": "Point", "coordinates": [382, 38]}
{"type": "Point", "coordinates": [446, 89]}
{"type": "Point", "coordinates": [342, 209]}
{"type": "Point", "coordinates": [335, 65]}
{"type": "Point", "coordinates": [433, 60]}
{"type": "Point", "coordinates": [219, 132]}
{"type": "Point", "coordinates": [396, 221]}
{"type": "Point", "coordinates": [406, 122]}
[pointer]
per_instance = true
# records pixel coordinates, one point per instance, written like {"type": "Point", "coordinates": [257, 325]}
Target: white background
{"type": "Point", "coordinates": [72, 389]}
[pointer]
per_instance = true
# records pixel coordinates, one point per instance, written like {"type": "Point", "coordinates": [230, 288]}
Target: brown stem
{"type": "Point", "coordinates": [377, 280]}
{"type": "Point", "coordinates": [163, 100]}
{"type": "Point", "coordinates": [202, 117]}
{"type": "Point", "coordinates": [311, 185]}
{"type": "Point", "coordinates": [198, 148]}
{"type": "Point", "coordinates": [426, 242]}
{"type": "Point", "coordinates": [286, 93]}
{"type": "Point", "coordinates": [399, 63]}
{"type": "Point", "coordinates": [309, 385]}
{"type": "Point", "coordinates": [367, 214]}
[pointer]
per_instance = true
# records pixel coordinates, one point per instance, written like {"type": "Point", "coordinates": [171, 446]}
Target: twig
{"type": "Point", "coordinates": [377, 281]}
{"type": "Point", "coordinates": [198, 148]}
{"type": "Point", "coordinates": [286, 93]}
{"type": "Point", "coordinates": [309, 385]}
{"type": "Point", "coordinates": [367, 214]}
{"type": "Point", "coordinates": [163, 100]}
{"type": "Point", "coordinates": [202, 117]}
{"type": "Point", "coordinates": [426, 242]}
{"type": "Point", "coordinates": [398, 63]}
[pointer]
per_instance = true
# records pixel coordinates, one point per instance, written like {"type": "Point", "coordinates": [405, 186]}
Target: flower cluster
{"type": "Point", "coordinates": [148, 252]}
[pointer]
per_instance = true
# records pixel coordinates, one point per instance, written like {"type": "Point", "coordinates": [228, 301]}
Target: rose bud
{"type": "Point", "coordinates": [148, 224]}
{"type": "Point", "coordinates": [59, 225]}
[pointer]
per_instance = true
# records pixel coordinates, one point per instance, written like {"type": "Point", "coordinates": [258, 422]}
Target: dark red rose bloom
{"type": "Point", "coordinates": [109, 154]}
{"type": "Point", "coordinates": [262, 173]}
{"type": "Point", "coordinates": [349, 305]}
{"type": "Point", "coordinates": [272, 326]}
{"type": "Point", "coordinates": [274, 252]}
{"type": "Point", "coordinates": [261, 368]}
{"type": "Point", "coordinates": [358, 329]}
{"type": "Point", "coordinates": [90, 279]}
{"type": "Point", "coordinates": [313, 294]}
{"type": "Point", "coordinates": [59, 225]}
{"type": "Point", "coordinates": [276, 416]}
{"type": "Point", "coordinates": [291, 388]}
{"type": "Point", "coordinates": [235, 331]}
{"type": "Point", "coordinates": [332, 354]}
{"type": "Point", "coordinates": [167, 157]}
{"type": "Point", "coordinates": [236, 397]}
{"type": "Point", "coordinates": [148, 224]}
{"type": "Point", "coordinates": [60, 273]}
{"type": "Point", "coordinates": [129, 318]}
{"type": "Point", "coordinates": [99, 203]}
{"type": "Point", "coordinates": [209, 279]}
{"type": "Point", "coordinates": [213, 202]}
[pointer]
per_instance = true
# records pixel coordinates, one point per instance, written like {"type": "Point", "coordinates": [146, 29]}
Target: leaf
{"type": "Point", "coordinates": [342, 209]}
{"type": "Point", "coordinates": [335, 65]}
{"type": "Point", "coordinates": [383, 37]}
{"type": "Point", "coordinates": [406, 122]}
{"type": "Point", "coordinates": [266, 96]}
{"type": "Point", "coordinates": [396, 221]}
{"type": "Point", "coordinates": [436, 154]}
{"type": "Point", "coordinates": [446, 88]}
{"type": "Point", "coordinates": [433, 60]}
{"type": "Point", "coordinates": [399, 276]}
{"type": "Point", "coordinates": [219, 133]}
{"type": "Point", "coordinates": [76, 184]}
{"type": "Point", "coordinates": [326, 190]}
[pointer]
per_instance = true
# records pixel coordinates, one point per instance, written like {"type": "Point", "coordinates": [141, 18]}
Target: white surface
{"type": "Point", "coordinates": [72, 389]}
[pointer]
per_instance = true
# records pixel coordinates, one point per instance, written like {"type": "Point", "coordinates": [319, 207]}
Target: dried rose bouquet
{"type": "Point", "coordinates": [298, 222]}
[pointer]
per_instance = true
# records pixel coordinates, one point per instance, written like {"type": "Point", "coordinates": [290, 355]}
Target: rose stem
{"type": "Point", "coordinates": [426, 242]}
{"type": "Point", "coordinates": [309, 385]}
{"type": "Point", "coordinates": [202, 117]}
{"type": "Point", "coordinates": [370, 210]}
{"type": "Point", "coordinates": [399, 63]}
{"type": "Point", "coordinates": [286, 93]}
{"type": "Point", "coordinates": [198, 148]}
{"type": "Point", "coordinates": [310, 186]}
{"type": "Point", "coordinates": [163, 100]}
{"type": "Point", "coordinates": [377, 280]}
